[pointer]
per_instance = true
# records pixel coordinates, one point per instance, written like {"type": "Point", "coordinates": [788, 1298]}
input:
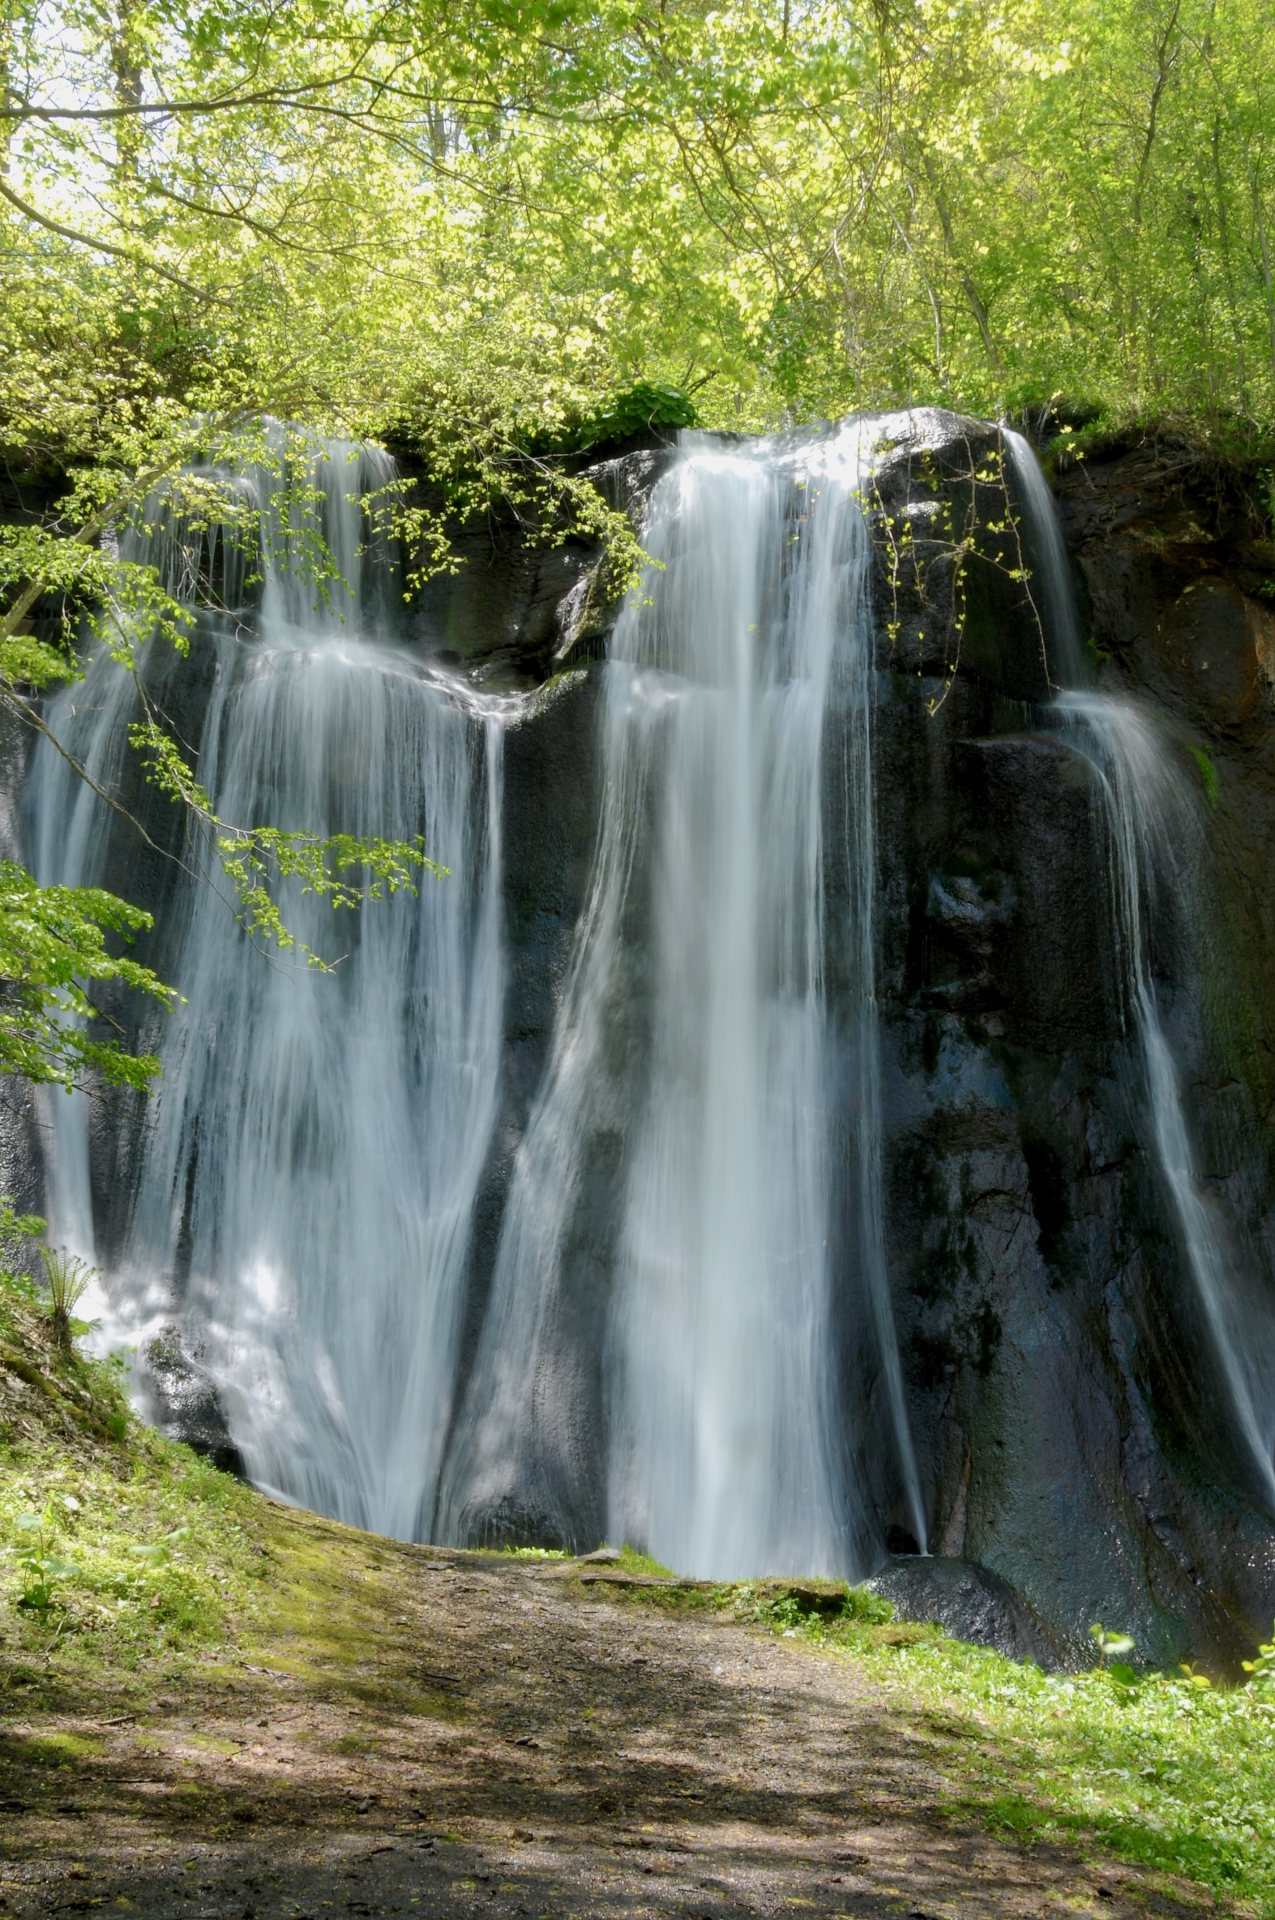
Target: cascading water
{"type": "Point", "coordinates": [1153, 837]}
{"type": "Point", "coordinates": [302, 1206]}
{"type": "Point", "coordinates": [1153, 833]}
{"type": "Point", "coordinates": [300, 1199]}
{"type": "Point", "coordinates": [1051, 581]}
{"type": "Point", "coordinates": [693, 1044]}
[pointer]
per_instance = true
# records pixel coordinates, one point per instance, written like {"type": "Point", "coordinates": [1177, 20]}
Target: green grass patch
{"type": "Point", "coordinates": [631, 1560]}
{"type": "Point", "coordinates": [530, 1553]}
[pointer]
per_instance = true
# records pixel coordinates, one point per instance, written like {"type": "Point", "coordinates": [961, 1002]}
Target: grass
{"type": "Point", "coordinates": [631, 1561]}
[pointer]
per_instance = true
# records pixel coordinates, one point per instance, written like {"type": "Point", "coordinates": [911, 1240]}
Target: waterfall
{"type": "Point", "coordinates": [301, 1207]}
{"type": "Point", "coordinates": [690, 1267]}
{"type": "Point", "coordinates": [1050, 585]}
{"type": "Point", "coordinates": [1153, 839]}
{"type": "Point", "coordinates": [1153, 836]}
{"type": "Point", "coordinates": [692, 1047]}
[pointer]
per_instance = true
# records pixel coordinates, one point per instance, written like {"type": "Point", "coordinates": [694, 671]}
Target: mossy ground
{"type": "Point", "coordinates": [125, 1558]}
{"type": "Point", "coordinates": [183, 1586]}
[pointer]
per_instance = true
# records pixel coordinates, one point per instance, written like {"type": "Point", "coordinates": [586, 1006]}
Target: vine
{"type": "Point", "coordinates": [957, 535]}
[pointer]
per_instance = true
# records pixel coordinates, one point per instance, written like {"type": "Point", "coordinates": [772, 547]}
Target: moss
{"type": "Point", "coordinates": [49, 1749]}
{"type": "Point", "coordinates": [1208, 774]}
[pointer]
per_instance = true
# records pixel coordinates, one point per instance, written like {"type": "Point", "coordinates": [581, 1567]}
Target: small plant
{"type": "Point", "coordinates": [868, 1607]}
{"type": "Point", "coordinates": [41, 1569]}
{"type": "Point", "coordinates": [1262, 1670]}
{"type": "Point", "coordinates": [1109, 1641]}
{"type": "Point", "coordinates": [1208, 774]}
{"type": "Point", "coordinates": [68, 1278]}
{"type": "Point", "coordinates": [154, 1554]}
{"type": "Point", "coordinates": [1123, 1677]}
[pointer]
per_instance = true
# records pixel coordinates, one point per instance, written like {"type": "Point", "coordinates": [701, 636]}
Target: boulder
{"type": "Point", "coordinates": [971, 1603]}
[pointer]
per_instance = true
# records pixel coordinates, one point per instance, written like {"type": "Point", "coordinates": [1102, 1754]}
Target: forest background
{"type": "Point", "coordinates": [498, 233]}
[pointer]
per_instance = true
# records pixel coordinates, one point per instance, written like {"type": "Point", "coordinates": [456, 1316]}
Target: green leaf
{"type": "Point", "coordinates": [52, 950]}
{"type": "Point", "coordinates": [155, 1554]}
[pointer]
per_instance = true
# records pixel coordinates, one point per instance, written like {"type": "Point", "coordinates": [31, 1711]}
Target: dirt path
{"type": "Point", "coordinates": [419, 1732]}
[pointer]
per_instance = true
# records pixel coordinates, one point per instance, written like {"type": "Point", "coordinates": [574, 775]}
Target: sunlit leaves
{"type": "Point", "coordinates": [53, 953]}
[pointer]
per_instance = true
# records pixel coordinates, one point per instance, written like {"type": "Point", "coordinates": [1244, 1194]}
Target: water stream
{"type": "Point", "coordinates": [690, 1273]}
{"type": "Point", "coordinates": [1155, 846]}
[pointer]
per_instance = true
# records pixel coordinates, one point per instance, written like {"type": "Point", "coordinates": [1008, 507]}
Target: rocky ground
{"type": "Point", "coordinates": [409, 1730]}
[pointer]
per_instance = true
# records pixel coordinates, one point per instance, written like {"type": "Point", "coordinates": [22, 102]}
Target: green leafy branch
{"type": "Point", "coordinates": [955, 543]}
{"type": "Point", "coordinates": [52, 950]}
{"type": "Point", "coordinates": [552, 502]}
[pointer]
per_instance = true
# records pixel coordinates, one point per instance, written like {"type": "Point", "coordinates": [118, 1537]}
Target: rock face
{"type": "Point", "coordinates": [1073, 1436]}
{"type": "Point", "coordinates": [182, 1401]}
{"type": "Point", "coordinates": [1074, 1432]}
{"type": "Point", "coordinates": [1077, 1458]}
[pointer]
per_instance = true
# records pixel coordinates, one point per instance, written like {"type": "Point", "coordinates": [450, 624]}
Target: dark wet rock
{"type": "Point", "coordinates": [1073, 1432]}
{"type": "Point", "coordinates": [182, 1400]}
{"type": "Point", "coordinates": [971, 1603]}
{"type": "Point", "coordinates": [518, 609]}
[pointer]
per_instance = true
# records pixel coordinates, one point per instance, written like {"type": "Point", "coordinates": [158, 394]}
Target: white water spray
{"type": "Point", "coordinates": [1154, 842]}
{"type": "Point", "coordinates": [307, 1177]}
{"type": "Point", "coordinates": [1050, 585]}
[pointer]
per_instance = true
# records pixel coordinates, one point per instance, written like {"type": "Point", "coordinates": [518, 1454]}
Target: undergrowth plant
{"type": "Point", "coordinates": [68, 1278]}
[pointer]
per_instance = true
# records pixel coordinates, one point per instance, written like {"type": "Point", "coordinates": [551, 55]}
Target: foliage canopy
{"type": "Point", "coordinates": [505, 229]}
{"type": "Point", "coordinates": [483, 223]}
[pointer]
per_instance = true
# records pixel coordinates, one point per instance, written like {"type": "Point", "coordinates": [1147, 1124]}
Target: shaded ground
{"type": "Point", "coordinates": [419, 1731]}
